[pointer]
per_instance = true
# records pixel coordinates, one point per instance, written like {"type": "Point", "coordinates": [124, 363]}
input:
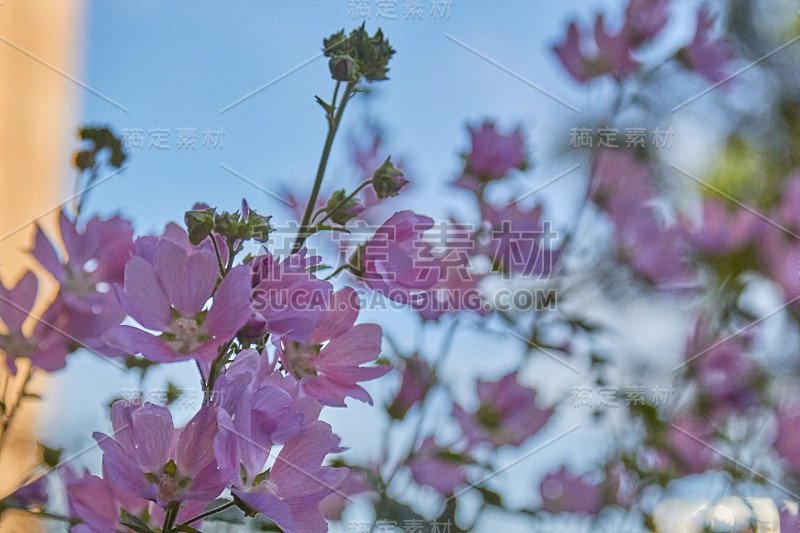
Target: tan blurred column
{"type": "Point", "coordinates": [38, 119]}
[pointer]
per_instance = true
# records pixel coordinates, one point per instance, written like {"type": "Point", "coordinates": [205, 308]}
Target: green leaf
{"type": "Point", "coordinates": [491, 497]}
{"type": "Point", "coordinates": [50, 456]}
{"type": "Point", "coordinates": [133, 522]}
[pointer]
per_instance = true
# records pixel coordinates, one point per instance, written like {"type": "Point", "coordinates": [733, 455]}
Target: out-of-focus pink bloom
{"type": "Point", "coordinates": [438, 467]}
{"type": "Point", "coordinates": [565, 492]}
{"type": "Point", "coordinates": [789, 516]}
{"type": "Point", "coordinates": [507, 414]}
{"type": "Point", "coordinates": [92, 500]}
{"type": "Point", "coordinates": [95, 262]}
{"type": "Point", "coordinates": [520, 241]}
{"type": "Point", "coordinates": [787, 440]}
{"type": "Point", "coordinates": [169, 296]}
{"type": "Point", "coordinates": [30, 496]}
{"type": "Point", "coordinates": [706, 56]}
{"type": "Point", "coordinates": [788, 213]}
{"type": "Point", "coordinates": [328, 367]}
{"type": "Point", "coordinates": [644, 20]}
{"type": "Point", "coordinates": [623, 188]}
{"type": "Point", "coordinates": [418, 378]}
{"type": "Point", "coordinates": [491, 156]}
{"type": "Point", "coordinates": [723, 229]}
{"type": "Point", "coordinates": [287, 296]}
{"type": "Point", "coordinates": [148, 458]}
{"type": "Point", "coordinates": [688, 442]}
{"type": "Point", "coordinates": [291, 491]}
{"type": "Point", "coordinates": [396, 261]}
{"type": "Point", "coordinates": [47, 346]}
{"type": "Point", "coordinates": [620, 486]}
{"type": "Point", "coordinates": [724, 372]}
{"type": "Point", "coordinates": [780, 255]}
{"type": "Point", "coordinates": [354, 484]}
{"type": "Point", "coordinates": [613, 56]}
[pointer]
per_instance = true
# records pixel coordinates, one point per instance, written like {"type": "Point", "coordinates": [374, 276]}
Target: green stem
{"type": "Point", "coordinates": [333, 125]}
{"type": "Point", "coordinates": [343, 267]}
{"type": "Point", "coordinates": [170, 516]}
{"type": "Point", "coordinates": [208, 513]}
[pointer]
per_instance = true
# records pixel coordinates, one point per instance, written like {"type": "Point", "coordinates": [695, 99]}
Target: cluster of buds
{"type": "Point", "coordinates": [358, 55]}
{"type": "Point", "coordinates": [100, 138]}
{"type": "Point", "coordinates": [202, 221]}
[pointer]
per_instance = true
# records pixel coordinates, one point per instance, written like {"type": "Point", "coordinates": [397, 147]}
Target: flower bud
{"type": "Point", "coordinates": [341, 209]}
{"type": "Point", "coordinates": [344, 67]}
{"type": "Point", "coordinates": [388, 180]}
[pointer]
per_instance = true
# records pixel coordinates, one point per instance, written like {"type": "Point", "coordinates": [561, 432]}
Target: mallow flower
{"type": "Point", "coordinates": [613, 54]}
{"type": "Point", "coordinates": [506, 416]}
{"type": "Point", "coordinates": [328, 366]}
{"type": "Point", "coordinates": [706, 56]}
{"type": "Point", "coordinates": [169, 295]}
{"type": "Point", "coordinates": [492, 156]}
{"type": "Point", "coordinates": [288, 300]}
{"type": "Point", "coordinates": [149, 458]}
{"type": "Point", "coordinates": [565, 492]}
{"type": "Point", "coordinates": [438, 467]}
{"type": "Point", "coordinates": [48, 345]}
{"type": "Point", "coordinates": [396, 261]}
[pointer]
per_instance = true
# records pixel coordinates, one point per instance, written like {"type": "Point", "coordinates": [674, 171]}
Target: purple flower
{"type": "Point", "coordinates": [290, 492]}
{"type": "Point", "coordinates": [438, 467]}
{"type": "Point", "coordinates": [47, 346]}
{"type": "Point", "coordinates": [169, 296]}
{"type": "Point", "coordinates": [397, 262]}
{"type": "Point", "coordinates": [613, 56]}
{"type": "Point", "coordinates": [147, 457]}
{"type": "Point", "coordinates": [565, 492]}
{"type": "Point", "coordinates": [418, 378]}
{"type": "Point", "coordinates": [491, 156]}
{"type": "Point", "coordinates": [95, 262]}
{"type": "Point", "coordinates": [289, 298]}
{"type": "Point", "coordinates": [706, 56]}
{"type": "Point", "coordinates": [520, 241]}
{"type": "Point", "coordinates": [507, 414]}
{"type": "Point", "coordinates": [787, 439]}
{"type": "Point", "coordinates": [328, 367]}
{"type": "Point", "coordinates": [644, 20]}
{"type": "Point", "coordinates": [30, 496]}
{"type": "Point", "coordinates": [92, 500]}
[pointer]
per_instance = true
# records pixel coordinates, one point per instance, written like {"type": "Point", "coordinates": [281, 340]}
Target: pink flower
{"type": "Point", "coordinates": [397, 262]}
{"type": "Point", "coordinates": [787, 439]}
{"type": "Point", "coordinates": [706, 56]}
{"type": "Point", "coordinates": [328, 367]}
{"type": "Point", "coordinates": [95, 262]}
{"type": "Point", "coordinates": [148, 458]}
{"type": "Point", "coordinates": [507, 414]}
{"type": "Point", "coordinates": [491, 156]}
{"type": "Point", "coordinates": [724, 229]}
{"type": "Point", "coordinates": [47, 347]}
{"type": "Point", "coordinates": [289, 298]}
{"type": "Point", "coordinates": [169, 295]}
{"type": "Point", "coordinates": [290, 492]}
{"type": "Point", "coordinates": [30, 496]}
{"type": "Point", "coordinates": [438, 467]}
{"type": "Point", "coordinates": [520, 241]}
{"type": "Point", "coordinates": [644, 20]}
{"type": "Point", "coordinates": [565, 492]}
{"type": "Point", "coordinates": [418, 378]}
{"type": "Point", "coordinates": [613, 55]}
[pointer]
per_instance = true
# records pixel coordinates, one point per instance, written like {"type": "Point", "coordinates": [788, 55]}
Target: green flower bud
{"type": "Point", "coordinates": [388, 180]}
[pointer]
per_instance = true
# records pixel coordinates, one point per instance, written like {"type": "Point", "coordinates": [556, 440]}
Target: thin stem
{"type": "Point", "coordinates": [343, 202]}
{"type": "Point", "coordinates": [208, 513]}
{"type": "Point", "coordinates": [342, 267]}
{"type": "Point", "coordinates": [444, 350]}
{"type": "Point", "coordinates": [218, 254]}
{"type": "Point", "coordinates": [333, 125]}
